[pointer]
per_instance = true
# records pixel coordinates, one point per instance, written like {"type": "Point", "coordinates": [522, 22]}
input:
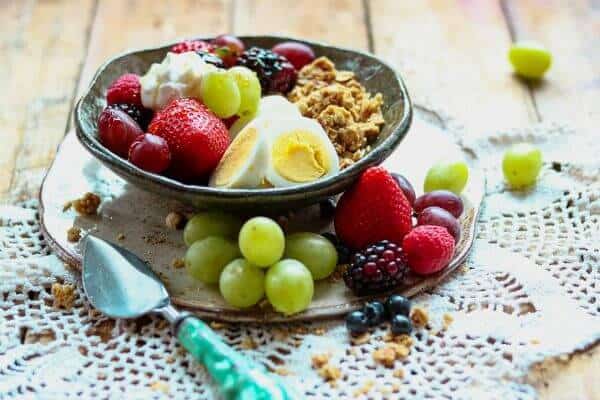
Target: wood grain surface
{"type": "Point", "coordinates": [453, 54]}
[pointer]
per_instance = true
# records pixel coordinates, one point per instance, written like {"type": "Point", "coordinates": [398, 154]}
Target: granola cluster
{"type": "Point", "coordinates": [350, 115]}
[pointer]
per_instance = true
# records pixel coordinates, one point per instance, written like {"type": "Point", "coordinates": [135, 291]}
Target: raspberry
{"type": "Point", "coordinates": [428, 249]}
{"type": "Point", "coordinates": [373, 209]}
{"type": "Point", "coordinates": [139, 114]}
{"type": "Point", "coordinates": [378, 268]}
{"type": "Point", "coordinates": [126, 89]}
{"type": "Point", "coordinates": [275, 73]}
{"type": "Point", "coordinates": [192, 45]}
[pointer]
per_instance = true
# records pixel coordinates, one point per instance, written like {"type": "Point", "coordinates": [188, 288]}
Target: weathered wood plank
{"type": "Point", "coordinates": [571, 30]}
{"type": "Point", "coordinates": [55, 39]}
{"type": "Point", "coordinates": [339, 22]}
{"type": "Point", "coordinates": [125, 25]}
{"type": "Point", "coordinates": [453, 56]}
{"type": "Point", "coordinates": [42, 45]}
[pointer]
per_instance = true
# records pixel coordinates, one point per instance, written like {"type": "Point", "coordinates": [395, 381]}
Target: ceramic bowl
{"type": "Point", "coordinates": [372, 72]}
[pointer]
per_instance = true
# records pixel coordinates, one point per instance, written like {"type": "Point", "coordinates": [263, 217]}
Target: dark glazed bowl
{"type": "Point", "coordinates": [373, 73]}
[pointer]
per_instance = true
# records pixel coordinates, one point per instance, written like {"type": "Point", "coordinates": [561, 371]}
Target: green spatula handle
{"type": "Point", "coordinates": [239, 378]}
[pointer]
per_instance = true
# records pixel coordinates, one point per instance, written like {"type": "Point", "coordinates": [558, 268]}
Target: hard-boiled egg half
{"type": "Point", "coordinates": [277, 150]}
{"type": "Point", "coordinates": [299, 151]}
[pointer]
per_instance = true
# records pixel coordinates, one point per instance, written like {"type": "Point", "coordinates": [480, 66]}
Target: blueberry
{"type": "Point", "coordinates": [398, 305]}
{"type": "Point", "coordinates": [356, 322]}
{"type": "Point", "coordinates": [375, 313]}
{"type": "Point", "coordinates": [401, 325]}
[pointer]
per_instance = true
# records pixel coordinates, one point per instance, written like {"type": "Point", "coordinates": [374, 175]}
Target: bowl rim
{"type": "Point", "coordinates": [373, 157]}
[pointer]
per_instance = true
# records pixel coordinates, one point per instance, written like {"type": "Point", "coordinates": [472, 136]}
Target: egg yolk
{"type": "Point", "coordinates": [298, 156]}
{"type": "Point", "coordinates": [236, 155]}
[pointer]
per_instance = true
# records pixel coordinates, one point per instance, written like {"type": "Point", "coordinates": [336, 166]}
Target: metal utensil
{"type": "Point", "coordinates": [121, 285]}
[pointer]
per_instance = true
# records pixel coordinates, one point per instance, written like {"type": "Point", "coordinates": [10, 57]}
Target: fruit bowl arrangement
{"type": "Point", "coordinates": [254, 122]}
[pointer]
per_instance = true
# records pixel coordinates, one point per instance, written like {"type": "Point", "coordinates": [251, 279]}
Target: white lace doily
{"type": "Point", "coordinates": [530, 290]}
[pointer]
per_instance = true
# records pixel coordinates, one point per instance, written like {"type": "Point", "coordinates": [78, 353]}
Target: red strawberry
{"type": "Point", "coordinates": [192, 45]}
{"type": "Point", "coordinates": [428, 248]}
{"type": "Point", "coordinates": [373, 209]}
{"type": "Point", "coordinates": [196, 137]}
{"type": "Point", "coordinates": [126, 89]}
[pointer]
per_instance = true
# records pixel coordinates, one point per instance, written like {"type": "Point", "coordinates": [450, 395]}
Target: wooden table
{"type": "Point", "coordinates": [452, 54]}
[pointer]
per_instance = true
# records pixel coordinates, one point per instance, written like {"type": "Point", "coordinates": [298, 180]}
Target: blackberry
{"type": "Point", "coordinates": [344, 253]}
{"type": "Point", "coordinates": [139, 114]}
{"type": "Point", "coordinates": [378, 268]}
{"type": "Point", "coordinates": [275, 73]}
{"type": "Point", "coordinates": [211, 58]}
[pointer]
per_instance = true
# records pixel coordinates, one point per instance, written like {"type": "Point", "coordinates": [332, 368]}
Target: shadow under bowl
{"type": "Point", "coordinates": [373, 73]}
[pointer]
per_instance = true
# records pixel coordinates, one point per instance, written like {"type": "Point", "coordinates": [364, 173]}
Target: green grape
{"type": "Point", "coordinates": [211, 223]}
{"type": "Point", "coordinates": [447, 175]}
{"type": "Point", "coordinates": [249, 87]}
{"type": "Point", "coordinates": [530, 59]}
{"type": "Point", "coordinates": [242, 284]}
{"type": "Point", "coordinates": [314, 251]}
{"type": "Point", "coordinates": [521, 165]}
{"type": "Point", "coordinates": [206, 258]}
{"type": "Point", "coordinates": [289, 286]}
{"type": "Point", "coordinates": [262, 241]}
{"type": "Point", "coordinates": [220, 93]}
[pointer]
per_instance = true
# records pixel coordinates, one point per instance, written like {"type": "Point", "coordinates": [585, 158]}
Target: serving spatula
{"type": "Point", "coordinates": [121, 285]}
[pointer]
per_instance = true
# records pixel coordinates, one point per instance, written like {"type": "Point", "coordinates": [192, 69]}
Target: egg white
{"type": "Point", "coordinates": [252, 171]}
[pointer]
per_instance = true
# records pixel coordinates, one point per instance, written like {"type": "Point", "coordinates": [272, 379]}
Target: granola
{"type": "Point", "coordinates": [88, 204]}
{"type": "Point", "coordinates": [73, 234]}
{"type": "Point", "coordinates": [64, 295]}
{"type": "Point", "coordinates": [350, 115]}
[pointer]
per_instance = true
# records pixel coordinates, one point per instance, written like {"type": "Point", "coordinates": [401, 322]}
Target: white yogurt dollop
{"type": "Point", "coordinates": [178, 75]}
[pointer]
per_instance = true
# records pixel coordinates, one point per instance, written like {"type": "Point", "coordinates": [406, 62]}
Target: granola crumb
{"type": "Point", "coordinates": [535, 341]}
{"type": "Point", "coordinates": [155, 237]}
{"type": "Point", "coordinates": [419, 317]}
{"type": "Point", "coordinates": [88, 204]}
{"type": "Point", "coordinates": [364, 389]}
{"type": "Point", "coordinates": [178, 263]}
{"type": "Point", "coordinates": [170, 360]}
{"type": "Point", "coordinates": [73, 234]}
{"type": "Point", "coordinates": [67, 206]}
{"type": "Point", "coordinates": [391, 352]}
{"type": "Point", "coordinates": [361, 339]}
{"type": "Point", "coordinates": [121, 236]}
{"type": "Point", "coordinates": [319, 360]}
{"type": "Point", "coordinates": [447, 321]}
{"type": "Point", "coordinates": [403, 339]}
{"type": "Point", "coordinates": [248, 343]}
{"type": "Point", "coordinates": [282, 371]}
{"type": "Point", "coordinates": [385, 356]}
{"type": "Point", "coordinates": [399, 373]}
{"type": "Point", "coordinates": [330, 373]}
{"type": "Point", "coordinates": [217, 325]}
{"type": "Point", "coordinates": [395, 387]}
{"type": "Point", "coordinates": [64, 295]}
{"type": "Point", "coordinates": [174, 220]}
{"type": "Point", "coordinates": [160, 386]}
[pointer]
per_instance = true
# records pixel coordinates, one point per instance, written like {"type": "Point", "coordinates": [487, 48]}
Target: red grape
{"type": "Point", "coordinates": [151, 153]}
{"type": "Point", "coordinates": [117, 130]}
{"type": "Point", "coordinates": [440, 198]}
{"type": "Point", "coordinates": [440, 217]}
{"type": "Point", "coordinates": [297, 53]}
{"type": "Point", "coordinates": [406, 187]}
{"type": "Point", "coordinates": [229, 48]}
